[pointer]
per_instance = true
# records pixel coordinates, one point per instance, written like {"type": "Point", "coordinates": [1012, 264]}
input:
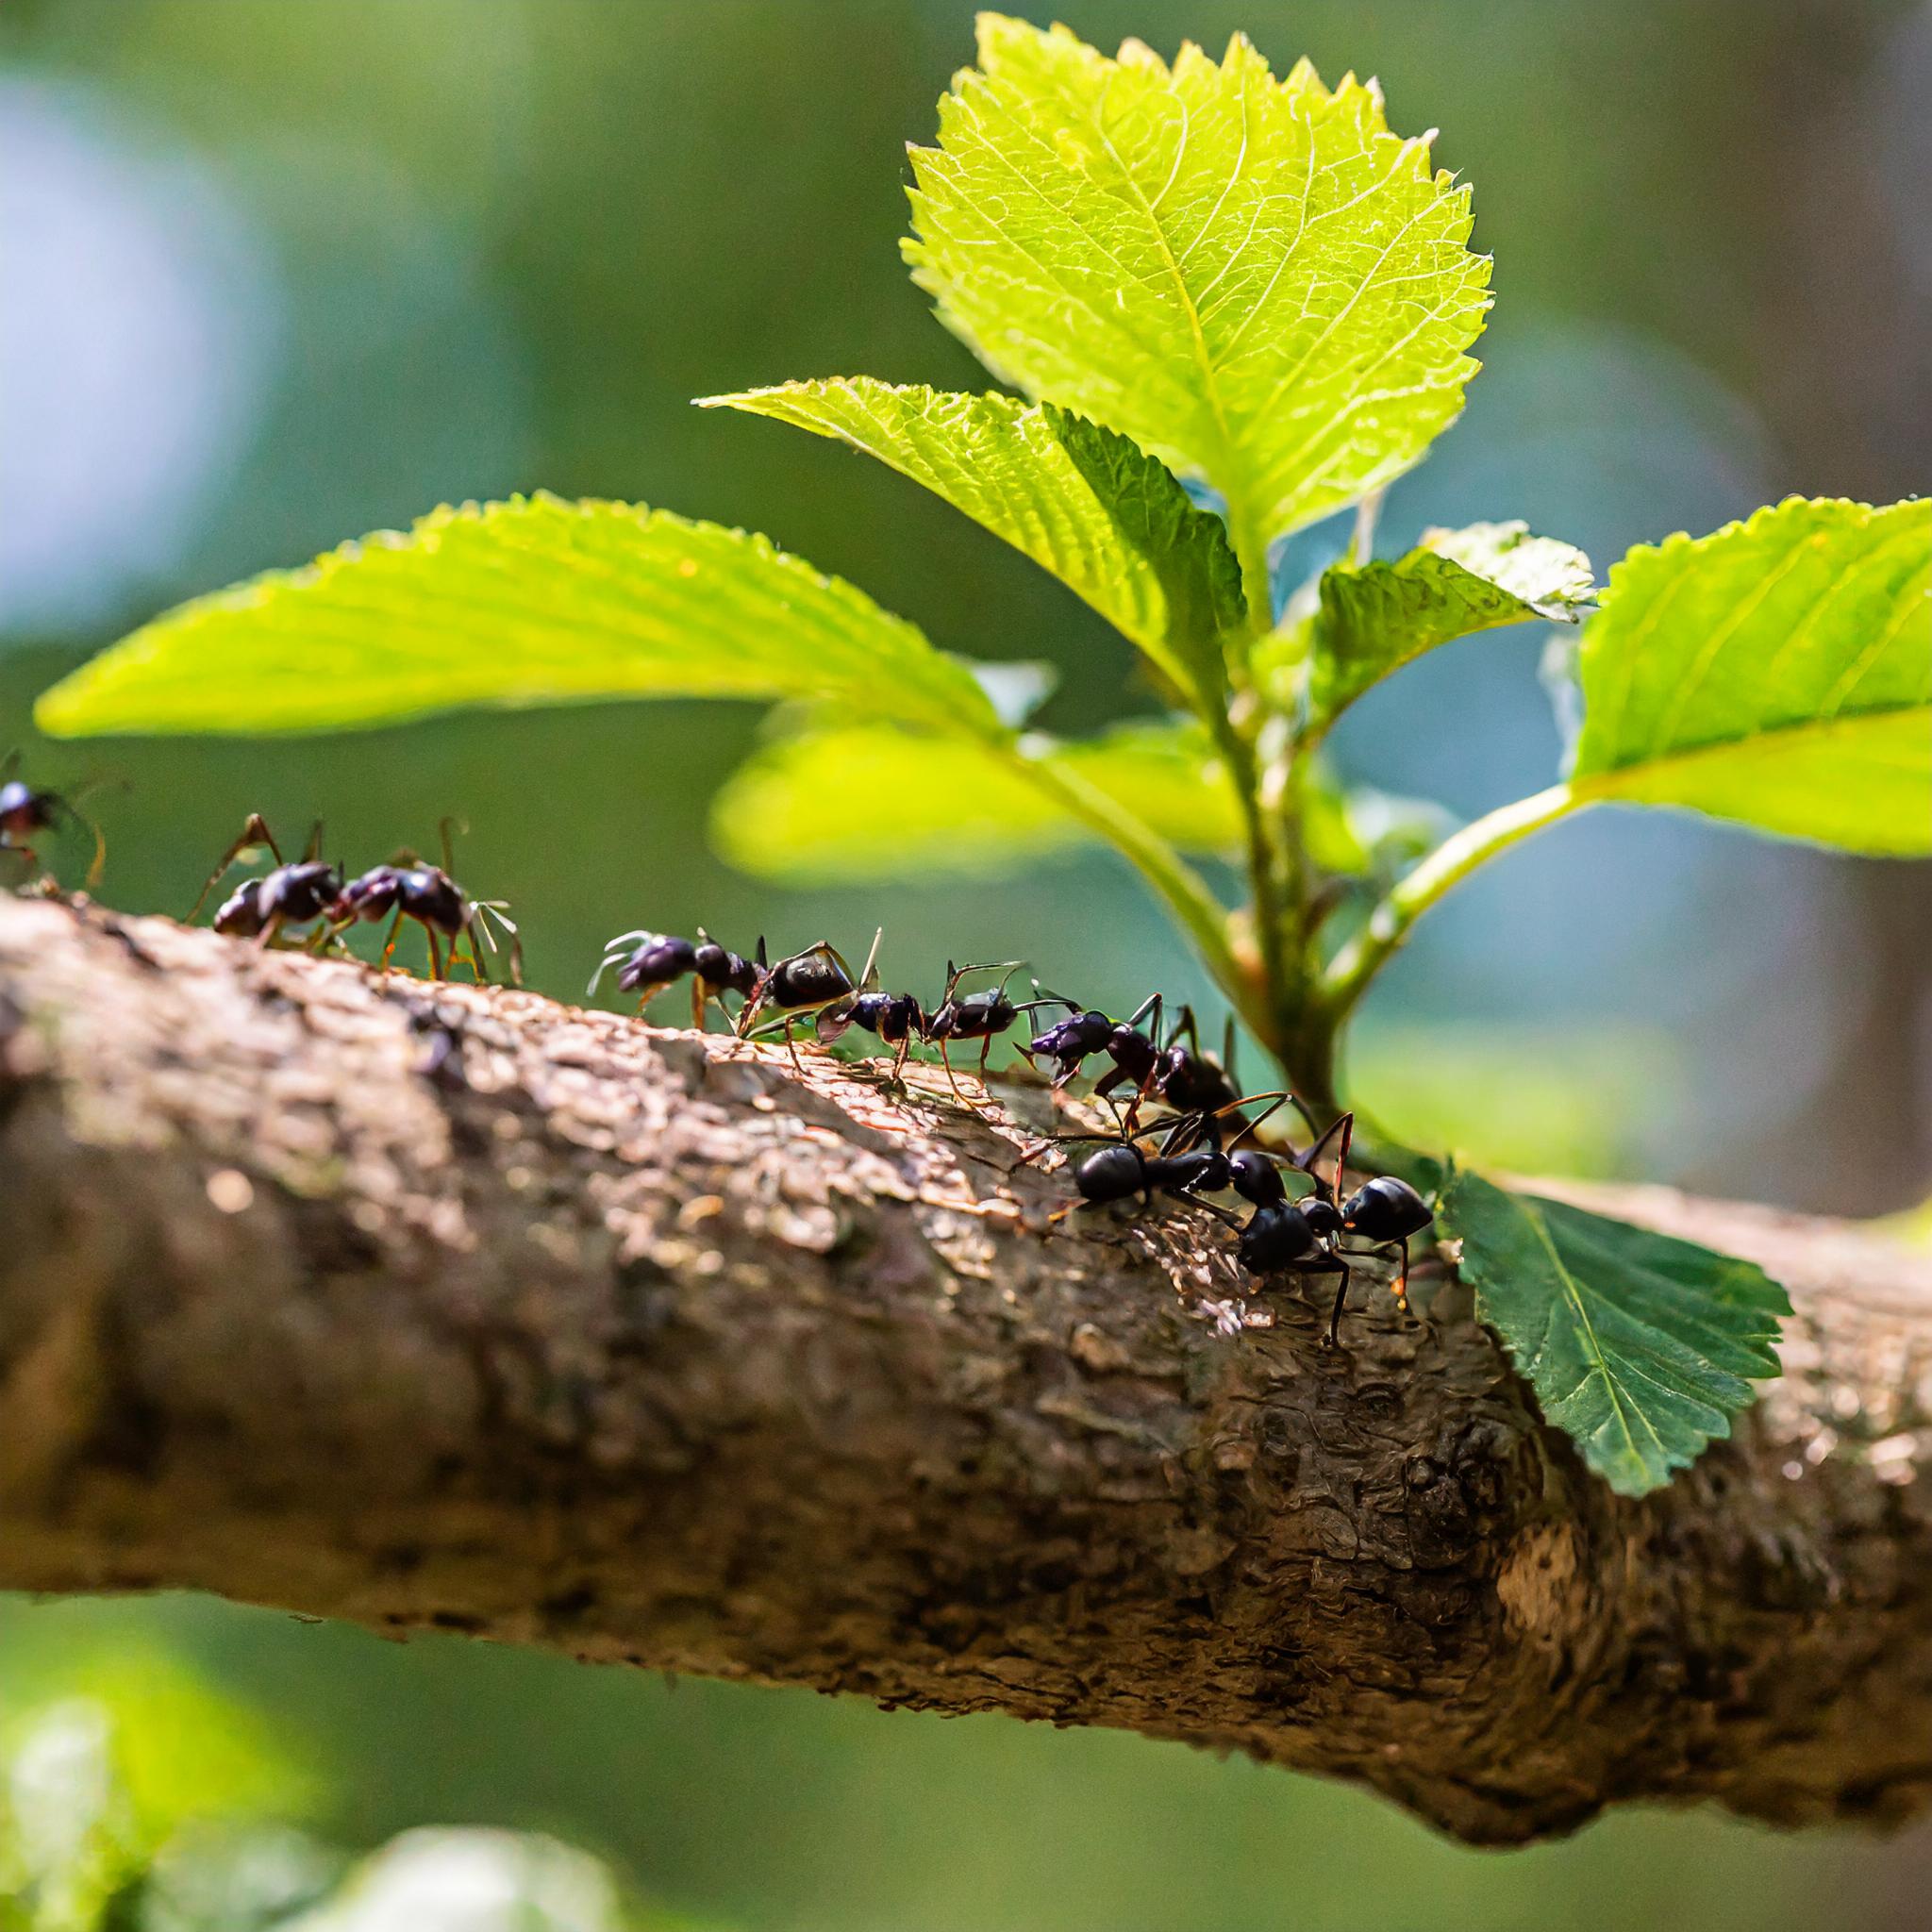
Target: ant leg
{"type": "Point", "coordinates": [395, 927]}
{"type": "Point", "coordinates": [255, 832]}
{"type": "Point", "coordinates": [1221, 1214]}
{"type": "Point", "coordinates": [1335, 1265]}
{"type": "Point", "coordinates": [435, 956]}
{"type": "Point", "coordinates": [792, 1045]}
{"type": "Point", "coordinates": [1184, 1028]}
{"type": "Point", "coordinates": [1142, 1094]}
{"type": "Point", "coordinates": [100, 858]}
{"type": "Point", "coordinates": [267, 936]}
{"type": "Point", "coordinates": [985, 1048]}
{"type": "Point", "coordinates": [476, 965]}
{"type": "Point", "coordinates": [1344, 1126]}
{"type": "Point", "coordinates": [698, 997]}
{"type": "Point", "coordinates": [1347, 1124]}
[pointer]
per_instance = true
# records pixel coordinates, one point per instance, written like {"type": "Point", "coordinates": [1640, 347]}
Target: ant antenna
{"type": "Point", "coordinates": [447, 826]}
{"type": "Point", "coordinates": [1344, 1124]}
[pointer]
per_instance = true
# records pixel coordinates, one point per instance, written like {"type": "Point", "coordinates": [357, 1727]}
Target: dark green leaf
{"type": "Point", "coordinates": [1641, 1346]}
{"type": "Point", "coordinates": [1372, 620]}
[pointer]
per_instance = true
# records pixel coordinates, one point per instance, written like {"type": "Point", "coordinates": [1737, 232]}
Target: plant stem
{"type": "Point", "coordinates": [1453, 861]}
{"type": "Point", "coordinates": [1269, 871]}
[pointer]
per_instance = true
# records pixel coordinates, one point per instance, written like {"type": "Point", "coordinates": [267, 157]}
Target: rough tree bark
{"type": "Point", "coordinates": [423, 1306]}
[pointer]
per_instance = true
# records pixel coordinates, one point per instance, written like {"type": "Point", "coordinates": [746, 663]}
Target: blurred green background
{"type": "Point", "coordinates": [280, 271]}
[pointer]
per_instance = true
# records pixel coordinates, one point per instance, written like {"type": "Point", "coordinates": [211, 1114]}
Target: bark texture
{"type": "Point", "coordinates": [430, 1306]}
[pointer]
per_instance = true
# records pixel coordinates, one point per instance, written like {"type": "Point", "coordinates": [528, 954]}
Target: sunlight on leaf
{"type": "Point", "coordinates": [533, 601]}
{"type": "Point", "coordinates": [1778, 673]}
{"type": "Point", "coordinates": [1641, 1346]}
{"type": "Point", "coordinates": [1372, 620]}
{"type": "Point", "coordinates": [1111, 523]}
{"type": "Point", "coordinates": [1253, 278]}
{"type": "Point", "coordinates": [807, 808]}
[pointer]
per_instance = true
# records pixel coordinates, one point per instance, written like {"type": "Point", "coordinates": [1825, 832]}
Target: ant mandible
{"type": "Point", "coordinates": [412, 889]}
{"type": "Point", "coordinates": [295, 893]}
{"type": "Point", "coordinates": [26, 812]}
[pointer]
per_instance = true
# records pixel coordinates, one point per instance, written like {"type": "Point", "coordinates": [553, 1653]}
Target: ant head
{"type": "Point", "coordinates": [1323, 1216]}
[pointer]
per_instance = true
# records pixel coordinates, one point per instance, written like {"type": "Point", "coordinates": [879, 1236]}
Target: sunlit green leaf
{"type": "Point", "coordinates": [1251, 277]}
{"type": "Point", "coordinates": [1372, 620]}
{"type": "Point", "coordinates": [1778, 673]}
{"type": "Point", "coordinates": [533, 601]}
{"type": "Point", "coordinates": [876, 803]}
{"type": "Point", "coordinates": [1641, 1346]}
{"type": "Point", "coordinates": [1108, 521]}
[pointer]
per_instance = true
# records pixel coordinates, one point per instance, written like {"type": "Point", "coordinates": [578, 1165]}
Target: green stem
{"type": "Point", "coordinates": [1201, 914]}
{"type": "Point", "coordinates": [1270, 872]}
{"type": "Point", "coordinates": [1452, 861]}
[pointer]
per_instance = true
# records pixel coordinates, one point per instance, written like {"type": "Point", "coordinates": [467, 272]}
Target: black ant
{"type": "Point", "coordinates": [895, 1017]}
{"type": "Point", "coordinates": [412, 889]}
{"type": "Point", "coordinates": [898, 1019]}
{"type": "Point", "coordinates": [1281, 1236]}
{"type": "Point", "coordinates": [657, 959]}
{"type": "Point", "coordinates": [1184, 1077]}
{"type": "Point", "coordinates": [981, 1016]}
{"type": "Point", "coordinates": [27, 812]}
{"type": "Point", "coordinates": [295, 893]}
{"type": "Point", "coordinates": [803, 982]}
{"type": "Point", "coordinates": [1191, 1162]}
{"type": "Point", "coordinates": [1305, 1237]}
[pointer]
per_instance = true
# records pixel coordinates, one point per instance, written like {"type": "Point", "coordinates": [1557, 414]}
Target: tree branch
{"type": "Point", "coordinates": [423, 1306]}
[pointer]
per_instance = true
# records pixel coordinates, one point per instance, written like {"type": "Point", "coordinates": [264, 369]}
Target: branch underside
{"type": "Point", "coordinates": [426, 1306]}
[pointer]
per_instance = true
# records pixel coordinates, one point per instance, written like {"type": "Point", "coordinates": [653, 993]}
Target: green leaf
{"type": "Point", "coordinates": [1360, 832]}
{"type": "Point", "coordinates": [1111, 523]}
{"type": "Point", "coordinates": [1251, 277]}
{"type": "Point", "coordinates": [1641, 1346]}
{"type": "Point", "coordinates": [533, 601]}
{"type": "Point", "coordinates": [1778, 673]}
{"type": "Point", "coordinates": [1372, 620]}
{"type": "Point", "coordinates": [809, 807]}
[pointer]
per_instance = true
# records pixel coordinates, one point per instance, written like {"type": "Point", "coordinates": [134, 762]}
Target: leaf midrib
{"type": "Point", "coordinates": [1600, 782]}
{"type": "Point", "coordinates": [1573, 1294]}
